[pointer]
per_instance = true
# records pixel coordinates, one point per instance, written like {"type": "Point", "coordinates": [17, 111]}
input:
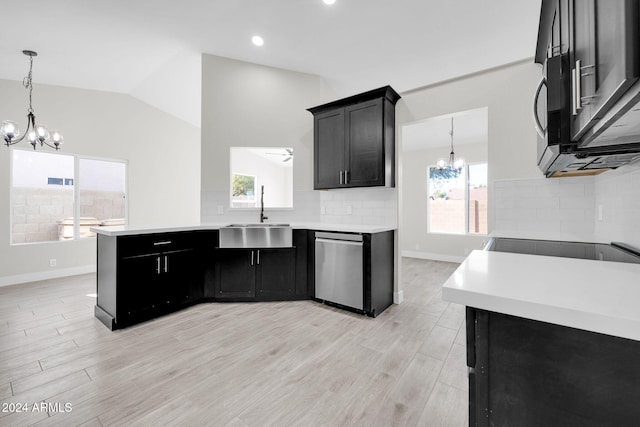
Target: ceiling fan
{"type": "Point", "coordinates": [288, 155]}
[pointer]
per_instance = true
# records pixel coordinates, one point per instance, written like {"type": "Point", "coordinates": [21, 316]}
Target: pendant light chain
{"type": "Point", "coordinates": [453, 163]}
{"type": "Point", "coordinates": [27, 82]}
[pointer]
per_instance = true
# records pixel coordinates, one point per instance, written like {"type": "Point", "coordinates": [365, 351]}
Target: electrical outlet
{"type": "Point", "coordinates": [52, 262]}
{"type": "Point", "coordinates": [600, 212]}
{"type": "Point", "coordinates": [349, 210]}
{"type": "Point", "coordinates": [417, 246]}
{"type": "Point", "coordinates": [466, 251]}
{"type": "Point", "coordinates": [220, 210]}
{"type": "Point", "coordinates": [323, 210]}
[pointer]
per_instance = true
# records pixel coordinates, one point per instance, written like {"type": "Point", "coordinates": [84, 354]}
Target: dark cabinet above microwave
{"type": "Point", "coordinates": [354, 141]}
{"type": "Point", "coordinates": [590, 52]}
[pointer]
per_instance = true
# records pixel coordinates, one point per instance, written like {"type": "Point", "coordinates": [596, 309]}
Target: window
{"type": "Point", "coordinates": [255, 168]}
{"type": "Point", "coordinates": [61, 196]}
{"type": "Point", "coordinates": [243, 193]}
{"type": "Point", "coordinates": [458, 200]}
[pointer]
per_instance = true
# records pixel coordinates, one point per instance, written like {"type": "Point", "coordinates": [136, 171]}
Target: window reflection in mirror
{"type": "Point", "coordinates": [254, 167]}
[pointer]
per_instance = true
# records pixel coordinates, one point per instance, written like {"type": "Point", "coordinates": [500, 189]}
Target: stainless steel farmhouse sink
{"type": "Point", "coordinates": [256, 236]}
{"type": "Point", "coordinates": [256, 225]}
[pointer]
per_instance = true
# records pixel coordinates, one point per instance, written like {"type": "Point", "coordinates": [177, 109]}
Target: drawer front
{"type": "Point", "coordinates": [146, 244]}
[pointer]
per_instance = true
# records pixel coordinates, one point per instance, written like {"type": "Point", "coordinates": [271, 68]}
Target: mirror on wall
{"type": "Point", "coordinates": [254, 167]}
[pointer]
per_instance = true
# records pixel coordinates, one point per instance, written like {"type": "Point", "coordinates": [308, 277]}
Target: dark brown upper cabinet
{"type": "Point", "coordinates": [604, 58]}
{"type": "Point", "coordinates": [354, 141]}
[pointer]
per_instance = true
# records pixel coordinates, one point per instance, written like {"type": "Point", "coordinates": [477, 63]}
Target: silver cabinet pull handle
{"type": "Point", "coordinates": [166, 242]}
{"type": "Point", "coordinates": [578, 78]}
{"type": "Point", "coordinates": [574, 105]}
{"type": "Point", "coordinates": [346, 176]}
{"type": "Point", "coordinates": [258, 256]}
{"type": "Point", "coordinates": [166, 263]}
{"type": "Point", "coordinates": [541, 131]}
{"type": "Point", "coordinates": [251, 257]}
{"type": "Point", "coordinates": [158, 265]}
{"type": "Point", "coordinates": [340, 177]}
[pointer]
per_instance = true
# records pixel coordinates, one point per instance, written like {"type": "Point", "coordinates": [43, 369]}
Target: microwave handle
{"type": "Point", "coordinates": [541, 131]}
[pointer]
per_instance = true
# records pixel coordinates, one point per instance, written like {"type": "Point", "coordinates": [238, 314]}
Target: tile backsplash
{"type": "Point", "coordinates": [603, 208]}
{"type": "Point", "coordinates": [563, 206]}
{"type": "Point", "coordinates": [618, 205]}
{"type": "Point", "coordinates": [367, 206]}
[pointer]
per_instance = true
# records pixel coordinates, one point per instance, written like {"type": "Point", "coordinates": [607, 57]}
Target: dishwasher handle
{"type": "Point", "coordinates": [339, 242]}
{"type": "Point", "coordinates": [339, 236]}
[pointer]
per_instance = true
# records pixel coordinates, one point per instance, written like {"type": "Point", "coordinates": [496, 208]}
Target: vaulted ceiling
{"type": "Point", "coordinates": [151, 48]}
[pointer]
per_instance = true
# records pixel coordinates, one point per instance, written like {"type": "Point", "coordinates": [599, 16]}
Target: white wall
{"type": "Point", "coordinates": [251, 105]}
{"type": "Point", "coordinates": [507, 93]}
{"type": "Point", "coordinates": [163, 155]}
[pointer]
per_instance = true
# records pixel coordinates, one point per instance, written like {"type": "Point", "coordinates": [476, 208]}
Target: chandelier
{"type": "Point", "coordinates": [35, 133]}
{"type": "Point", "coordinates": [453, 164]}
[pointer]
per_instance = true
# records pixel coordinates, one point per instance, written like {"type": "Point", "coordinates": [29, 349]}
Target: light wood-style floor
{"type": "Point", "coordinates": [294, 363]}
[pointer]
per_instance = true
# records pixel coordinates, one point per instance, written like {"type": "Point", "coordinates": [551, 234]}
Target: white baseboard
{"type": "Point", "coordinates": [398, 297]}
{"type": "Point", "coordinates": [432, 256]}
{"type": "Point", "coordinates": [45, 275]}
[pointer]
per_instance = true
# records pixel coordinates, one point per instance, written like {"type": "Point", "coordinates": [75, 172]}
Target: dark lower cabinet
{"type": "Point", "coordinates": [183, 277]}
{"type": "Point", "coordinates": [524, 372]}
{"type": "Point", "coordinates": [141, 277]}
{"type": "Point", "coordinates": [140, 290]}
{"type": "Point", "coordinates": [275, 274]}
{"type": "Point", "coordinates": [255, 274]}
{"type": "Point", "coordinates": [235, 274]}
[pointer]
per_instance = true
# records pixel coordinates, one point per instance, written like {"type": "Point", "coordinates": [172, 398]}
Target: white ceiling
{"type": "Point", "coordinates": [151, 48]}
{"type": "Point", "coordinates": [469, 127]}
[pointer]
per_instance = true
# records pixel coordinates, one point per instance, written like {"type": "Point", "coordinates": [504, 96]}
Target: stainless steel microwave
{"type": "Point", "coordinates": [558, 155]}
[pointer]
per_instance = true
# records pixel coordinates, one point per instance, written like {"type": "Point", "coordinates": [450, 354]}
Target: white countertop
{"type": "Point", "coordinates": [125, 230]}
{"type": "Point", "coordinates": [598, 296]}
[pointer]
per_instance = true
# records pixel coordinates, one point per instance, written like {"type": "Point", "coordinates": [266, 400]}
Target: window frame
{"type": "Point", "coordinates": [76, 194]}
{"type": "Point", "coordinates": [467, 204]}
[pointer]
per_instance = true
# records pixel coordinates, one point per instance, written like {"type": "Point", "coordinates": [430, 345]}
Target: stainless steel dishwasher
{"type": "Point", "coordinates": [339, 269]}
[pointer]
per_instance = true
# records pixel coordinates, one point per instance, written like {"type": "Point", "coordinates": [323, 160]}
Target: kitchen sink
{"type": "Point", "coordinates": [258, 225]}
{"type": "Point", "coordinates": [259, 235]}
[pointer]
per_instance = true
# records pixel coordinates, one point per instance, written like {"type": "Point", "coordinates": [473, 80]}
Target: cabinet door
{"type": "Point", "coordinates": [328, 149]}
{"type": "Point", "coordinates": [606, 46]}
{"type": "Point", "coordinates": [140, 287]}
{"type": "Point", "coordinates": [364, 145]}
{"type": "Point", "coordinates": [235, 273]}
{"type": "Point", "coordinates": [183, 278]}
{"type": "Point", "coordinates": [275, 273]}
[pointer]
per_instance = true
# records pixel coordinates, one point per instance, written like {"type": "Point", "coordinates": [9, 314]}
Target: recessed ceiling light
{"type": "Point", "coordinates": [257, 40]}
{"type": "Point", "coordinates": [329, 1]}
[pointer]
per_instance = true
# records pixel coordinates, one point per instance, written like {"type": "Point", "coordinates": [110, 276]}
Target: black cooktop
{"type": "Point", "coordinates": [617, 252]}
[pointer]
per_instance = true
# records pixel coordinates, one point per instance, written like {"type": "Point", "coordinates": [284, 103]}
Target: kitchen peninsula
{"type": "Point", "coordinates": [145, 272]}
{"type": "Point", "coordinates": [550, 340]}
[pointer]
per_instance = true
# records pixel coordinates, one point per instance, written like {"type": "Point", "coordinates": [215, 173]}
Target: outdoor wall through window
{"type": "Point", "coordinates": [457, 199]}
{"type": "Point", "coordinates": [57, 197]}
